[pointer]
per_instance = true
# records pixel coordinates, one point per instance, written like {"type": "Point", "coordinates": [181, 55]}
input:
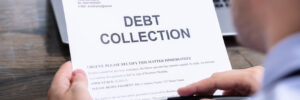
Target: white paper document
{"type": "Point", "coordinates": [144, 49]}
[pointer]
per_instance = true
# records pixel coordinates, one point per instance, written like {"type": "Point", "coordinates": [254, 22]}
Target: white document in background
{"type": "Point", "coordinates": [144, 49]}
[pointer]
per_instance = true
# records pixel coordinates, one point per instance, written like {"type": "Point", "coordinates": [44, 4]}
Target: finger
{"type": "Point", "coordinates": [203, 87]}
{"type": "Point", "coordinates": [80, 85]}
{"type": "Point", "coordinates": [233, 93]}
{"type": "Point", "coordinates": [207, 99]}
{"type": "Point", "coordinates": [61, 82]}
{"type": "Point", "coordinates": [228, 93]}
{"type": "Point", "coordinates": [79, 77]}
{"type": "Point", "coordinates": [224, 81]}
{"type": "Point", "coordinates": [79, 80]}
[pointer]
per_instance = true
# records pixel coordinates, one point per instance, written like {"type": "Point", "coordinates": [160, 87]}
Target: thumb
{"type": "Point", "coordinates": [79, 77]}
{"type": "Point", "coordinates": [79, 86]}
{"type": "Point", "coordinates": [79, 81]}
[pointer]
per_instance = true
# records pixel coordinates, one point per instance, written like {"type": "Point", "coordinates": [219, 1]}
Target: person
{"type": "Point", "coordinates": [269, 26]}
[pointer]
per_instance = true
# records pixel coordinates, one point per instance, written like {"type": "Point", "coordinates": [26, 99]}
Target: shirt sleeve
{"type": "Point", "coordinates": [286, 89]}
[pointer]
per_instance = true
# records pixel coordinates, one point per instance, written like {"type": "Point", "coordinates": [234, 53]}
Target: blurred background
{"type": "Point", "coordinates": [31, 49]}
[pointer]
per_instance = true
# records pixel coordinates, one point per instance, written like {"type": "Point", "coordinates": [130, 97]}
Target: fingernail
{"type": "Point", "coordinates": [79, 72]}
{"type": "Point", "coordinates": [180, 88]}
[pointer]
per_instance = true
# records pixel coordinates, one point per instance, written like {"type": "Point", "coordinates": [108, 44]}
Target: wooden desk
{"type": "Point", "coordinates": [31, 50]}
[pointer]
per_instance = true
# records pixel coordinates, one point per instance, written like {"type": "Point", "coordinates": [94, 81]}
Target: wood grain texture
{"type": "Point", "coordinates": [31, 50]}
{"type": "Point", "coordinates": [241, 58]}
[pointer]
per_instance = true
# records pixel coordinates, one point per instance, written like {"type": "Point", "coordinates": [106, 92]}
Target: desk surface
{"type": "Point", "coordinates": [31, 50]}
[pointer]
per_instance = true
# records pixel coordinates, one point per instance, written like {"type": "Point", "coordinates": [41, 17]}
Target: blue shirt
{"type": "Point", "coordinates": [282, 71]}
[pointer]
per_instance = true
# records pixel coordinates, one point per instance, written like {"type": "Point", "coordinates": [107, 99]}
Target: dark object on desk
{"type": "Point", "coordinates": [221, 3]}
{"type": "Point", "coordinates": [225, 18]}
{"type": "Point", "coordinates": [210, 97]}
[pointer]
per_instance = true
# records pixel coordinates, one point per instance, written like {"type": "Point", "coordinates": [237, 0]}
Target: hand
{"type": "Point", "coordinates": [243, 82]}
{"type": "Point", "coordinates": [68, 85]}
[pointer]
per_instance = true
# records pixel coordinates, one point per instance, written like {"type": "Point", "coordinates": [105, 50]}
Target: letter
{"type": "Point", "coordinates": [172, 34]}
{"type": "Point", "coordinates": [161, 34]}
{"type": "Point", "coordinates": [186, 33]}
{"type": "Point", "coordinates": [168, 34]}
{"type": "Point", "coordinates": [150, 36]}
{"type": "Point", "coordinates": [123, 38]}
{"type": "Point", "coordinates": [142, 36]}
{"type": "Point", "coordinates": [113, 39]}
{"type": "Point", "coordinates": [137, 19]}
{"type": "Point", "coordinates": [102, 40]}
{"type": "Point", "coordinates": [131, 37]}
{"type": "Point", "coordinates": [126, 18]}
{"type": "Point", "coordinates": [147, 20]}
{"type": "Point", "coordinates": [156, 18]}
